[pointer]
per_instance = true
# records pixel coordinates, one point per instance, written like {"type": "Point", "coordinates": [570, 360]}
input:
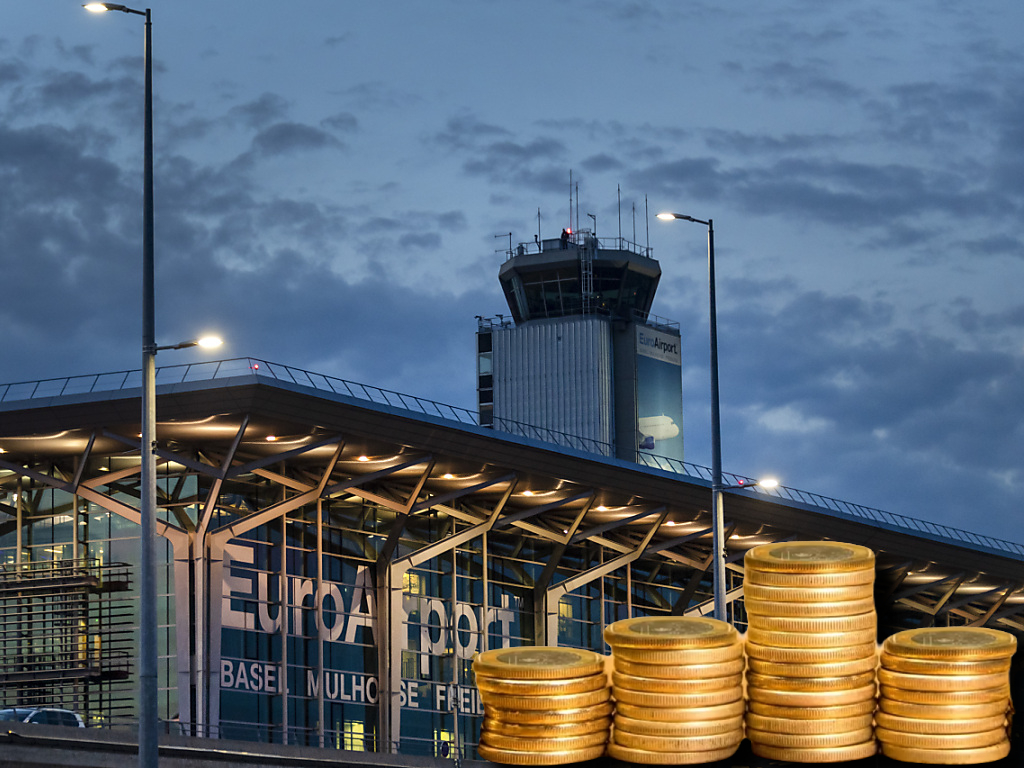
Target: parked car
{"type": "Point", "coordinates": [42, 716]}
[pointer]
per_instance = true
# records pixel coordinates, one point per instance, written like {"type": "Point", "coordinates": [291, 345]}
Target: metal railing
{"type": "Point", "coordinates": [255, 368]}
{"type": "Point", "coordinates": [229, 738]}
{"type": "Point", "coordinates": [246, 366]}
{"type": "Point", "coordinates": [578, 239]}
{"type": "Point", "coordinates": [841, 508]}
{"type": "Point", "coordinates": [51, 569]}
{"type": "Point", "coordinates": [649, 319]}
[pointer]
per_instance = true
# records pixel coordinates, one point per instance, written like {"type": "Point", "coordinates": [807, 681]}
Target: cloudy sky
{"type": "Point", "coordinates": [333, 180]}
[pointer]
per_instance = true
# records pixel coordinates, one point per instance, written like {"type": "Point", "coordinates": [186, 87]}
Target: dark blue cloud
{"type": "Point", "coordinates": [282, 138]}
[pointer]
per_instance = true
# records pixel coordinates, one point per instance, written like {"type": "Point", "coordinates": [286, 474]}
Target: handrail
{"type": "Point", "coordinates": [247, 366]}
{"type": "Point", "coordinates": [576, 240]}
{"type": "Point", "coordinates": [87, 565]}
{"type": "Point", "coordinates": [838, 507]}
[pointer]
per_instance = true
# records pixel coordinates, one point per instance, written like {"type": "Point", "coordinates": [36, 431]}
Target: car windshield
{"type": "Point", "coordinates": [13, 714]}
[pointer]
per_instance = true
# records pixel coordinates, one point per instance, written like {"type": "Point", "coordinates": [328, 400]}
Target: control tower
{"type": "Point", "coordinates": [581, 354]}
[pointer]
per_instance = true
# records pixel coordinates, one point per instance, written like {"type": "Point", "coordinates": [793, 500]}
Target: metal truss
{"type": "Point", "coordinates": [596, 518]}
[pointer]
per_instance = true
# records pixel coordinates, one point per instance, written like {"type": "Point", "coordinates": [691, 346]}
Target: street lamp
{"type": "Point", "coordinates": [148, 650]}
{"type": "Point", "coordinates": [206, 342]}
{"type": "Point", "coordinates": [717, 514]}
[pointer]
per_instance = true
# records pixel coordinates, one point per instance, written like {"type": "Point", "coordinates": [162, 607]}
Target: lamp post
{"type": "Point", "coordinates": [148, 711]}
{"type": "Point", "coordinates": [717, 514]}
{"type": "Point", "coordinates": [148, 653]}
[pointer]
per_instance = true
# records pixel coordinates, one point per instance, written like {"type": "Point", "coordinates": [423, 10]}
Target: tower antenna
{"type": "Point", "coordinates": [570, 200]}
{"type": "Point", "coordinates": [647, 220]}
{"type": "Point", "coordinates": [577, 205]}
{"type": "Point", "coordinates": [509, 236]}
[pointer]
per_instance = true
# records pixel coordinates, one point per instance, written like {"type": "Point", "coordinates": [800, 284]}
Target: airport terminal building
{"type": "Point", "coordinates": [333, 555]}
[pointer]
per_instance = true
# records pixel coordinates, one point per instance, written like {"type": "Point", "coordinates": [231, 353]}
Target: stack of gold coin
{"type": "Point", "coordinates": [543, 705]}
{"type": "Point", "coordinates": [811, 651]}
{"type": "Point", "coordinates": [945, 695]}
{"type": "Point", "coordinates": [678, 689]}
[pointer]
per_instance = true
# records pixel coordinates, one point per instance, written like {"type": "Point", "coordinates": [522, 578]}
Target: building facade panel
{"type": "Point", "coordinates": [556, 374]}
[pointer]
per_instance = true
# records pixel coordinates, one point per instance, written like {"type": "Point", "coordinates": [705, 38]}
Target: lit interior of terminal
{"type": "Point", "coordinates": [332, 556]}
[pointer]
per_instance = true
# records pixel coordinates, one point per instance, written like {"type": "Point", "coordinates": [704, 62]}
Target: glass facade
{"type": "Point", "coordinates": [67, 616]}
{"type": "Point", "coordinates": [294, 638]}
{"type": "Point", "coordinates": [327, 572]}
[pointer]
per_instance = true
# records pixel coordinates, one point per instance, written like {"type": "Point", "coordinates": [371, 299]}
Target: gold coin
{"type": "Point", "coordinates": [816, 726]}
{"type": "Point", "coordinates": [680, 671]}
{"type": "Point", "coordinates": [646, 757]}
{"type": "Point", "coordinates": [919, 725]}
{"type": "Point", "coordinates": [810, 740]}
{"type": "Point", "coordinates": [809, 610]}
{"type": "Point", "coordinates": [964, 712]}
{"type": "Point", "coordinates": [549, 717]}
{"type": "Point", "coordinates": [533, 757]}
{"type": "Point", "coordinates": [809, 684]}
{"type": "Point", "coordinates": [688, 714]}
{"type": "Point", "coordinates": [912, 682]}
{"type": "Point", "coordinates": [943, 666]}
{"type": "Point", "coordinates": [538, 663]}
{"type": "Point", "coordinates": [809, 557]}
{"type": "Point", "coordinates": [496, 686]}
{"type": "Point", "coordinates": [816, 754]}
{"type": "Point", "coordinates": [557, 730]}
{"type": "Point", "coordinates": [835, 669]}
{"type": "Point", "coordinates": [679, 743]}
{"type": "Point", "coordinates": [544, 743]}
{"type": "Point", "coordinates": [812, 698]}
{"type": "Point", "coordinates": [825, 712]}
{"type": "Point", "coordinates": [954, 643]}
{"type": "Point", "coordinates": [663, 728]}
{"type": "Point", "coordinates": [947, 756]}
{"type": "Point", "coordinates": [942, 740]}
{"type": "Point", "coordinates": [1000, 693]}
{"type": "Point", "coordinates": [852, 623]}
{"type": "Point", "coordinates": [810, 580]}
{"type": "Point", "coordinates": [797, 594]}
{"type": "Point", "coordinates": [670, 632]}
{"type": "Point", "coordinates": [811, 655]}
{"type": "Point", "coordinates": [810, 639]}
{"type": "Point", "coordinates": [684, 656]}
{"type": "Point", "coordinates": [655, 684]}
{"type": "Point", "coordinates": [672, 700]}
{"type": "Point", "coordinates": [568, 701]}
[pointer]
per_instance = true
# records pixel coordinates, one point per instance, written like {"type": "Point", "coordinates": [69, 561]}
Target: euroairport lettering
{"type": "Point", "coordinates": [656, 342]}
{"type": "Point", "coordinates": [355, 621]}
{"type": "Point", "coordinates": [259, 677]}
